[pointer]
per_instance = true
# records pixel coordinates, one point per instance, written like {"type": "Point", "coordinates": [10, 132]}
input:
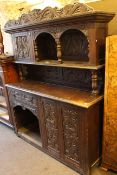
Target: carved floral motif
{"type": "Point", "coordinates": [51, 125]}
{"type": "Point", "coordinates": [71, 133]}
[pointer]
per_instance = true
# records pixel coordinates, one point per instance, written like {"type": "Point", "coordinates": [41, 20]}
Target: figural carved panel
{"type": "Point", "coordinates": [22, 46]}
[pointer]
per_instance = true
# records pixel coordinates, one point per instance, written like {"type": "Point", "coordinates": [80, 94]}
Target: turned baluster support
{"type": "Point", "coordinates": [59, 53]}
{"type": "Point", "coordinates": [94, 82]}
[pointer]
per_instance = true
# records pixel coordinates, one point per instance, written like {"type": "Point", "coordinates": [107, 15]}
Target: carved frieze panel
{"type": "Point", "coordinates": [51, 124]}
{"type": "Point", "coordinates": [62, 76]}
{"type": "Point", "coordinates": [26, 100]}
{"type": "Point", "coordinates": [45, 73]}
{"type": "Point", "coordinates": [77, 78]}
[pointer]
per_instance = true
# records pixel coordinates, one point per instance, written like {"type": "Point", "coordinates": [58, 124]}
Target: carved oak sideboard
{"type": "Point", "coordinates": [57, 105]}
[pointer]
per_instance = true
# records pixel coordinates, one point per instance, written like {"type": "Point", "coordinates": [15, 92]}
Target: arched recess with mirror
{"type": "Point", "coordinates": [46, 47]}
{"type": "Point", "coordinates": [74, 45]}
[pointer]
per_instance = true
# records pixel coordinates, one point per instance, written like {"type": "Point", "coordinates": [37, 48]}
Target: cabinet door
{"type": "Point", "coordinates": [74, 136]}
{"type": "Point", "coordinates": [51, 126]}
{"type": "Point", "coordinates": [22, 46]}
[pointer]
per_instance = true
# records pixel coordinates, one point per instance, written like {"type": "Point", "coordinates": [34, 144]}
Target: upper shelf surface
{"type": "Point", "coordinates": [69, 64]}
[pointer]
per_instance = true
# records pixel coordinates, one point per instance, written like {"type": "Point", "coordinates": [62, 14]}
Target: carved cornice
{"type": "Point", "coordinates": [49, 13]}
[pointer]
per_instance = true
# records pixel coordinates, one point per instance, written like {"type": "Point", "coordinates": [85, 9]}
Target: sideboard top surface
{"type": "Point", "coordinates": [61, 93]}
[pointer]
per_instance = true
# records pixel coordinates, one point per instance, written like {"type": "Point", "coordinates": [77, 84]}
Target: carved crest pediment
{"type": "Point", "coordinates": [49, 13]}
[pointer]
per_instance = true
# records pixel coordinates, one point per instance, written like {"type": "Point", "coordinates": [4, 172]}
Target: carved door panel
{"type": "Point", "coordinates": [74, 136]}
{"type": "Point", "coordinates": [51, 126]}
{"type": "Point", "coordinates": [22, 46]}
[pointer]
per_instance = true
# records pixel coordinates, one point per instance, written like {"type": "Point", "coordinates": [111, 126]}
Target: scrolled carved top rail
{"type": "Point", "coordinates": [48, 14]}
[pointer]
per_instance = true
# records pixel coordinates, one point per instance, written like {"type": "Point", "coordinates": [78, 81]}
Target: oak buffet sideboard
{"type": "Point", "coordinates": [57, 103]}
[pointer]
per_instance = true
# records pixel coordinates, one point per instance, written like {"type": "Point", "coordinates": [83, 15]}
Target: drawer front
{"type": "Point", "coordinates": [24, 99]}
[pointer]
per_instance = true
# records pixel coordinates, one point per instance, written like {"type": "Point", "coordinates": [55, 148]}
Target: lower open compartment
{"type": "Point", "coordinates": [28, 126]}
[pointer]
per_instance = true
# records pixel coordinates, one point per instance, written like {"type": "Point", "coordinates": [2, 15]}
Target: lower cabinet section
{"type": "Point", "coordinates": [69, 133]}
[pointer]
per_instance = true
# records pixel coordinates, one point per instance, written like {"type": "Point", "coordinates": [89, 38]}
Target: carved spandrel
{"type": "Point", "coordinates": [71, 133]}
{"type": "Point", "coordinates": [51, 125]}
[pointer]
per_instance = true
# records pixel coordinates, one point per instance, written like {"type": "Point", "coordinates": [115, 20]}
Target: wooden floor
{"type": "Point", "coordinates": [17, 157]}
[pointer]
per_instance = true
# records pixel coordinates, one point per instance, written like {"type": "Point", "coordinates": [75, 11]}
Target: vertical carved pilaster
{"type": "Point", "coordinates": [94, 82]}
{"type": "Point", "coordinates": [36, 51]}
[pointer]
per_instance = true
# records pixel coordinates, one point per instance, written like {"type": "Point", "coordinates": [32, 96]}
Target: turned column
{"type": "Point", "coordinates": [94, 82]}
{"type": "Point", "coordinates": [59, 53]}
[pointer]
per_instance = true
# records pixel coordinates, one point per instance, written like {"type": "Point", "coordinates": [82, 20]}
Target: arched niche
{"type": "Point", "coordinates": [46, 47]}
{"type": "Point", "coordinates": [74, 45]}
{"type": "Point", "coordinates": [27, 124]}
